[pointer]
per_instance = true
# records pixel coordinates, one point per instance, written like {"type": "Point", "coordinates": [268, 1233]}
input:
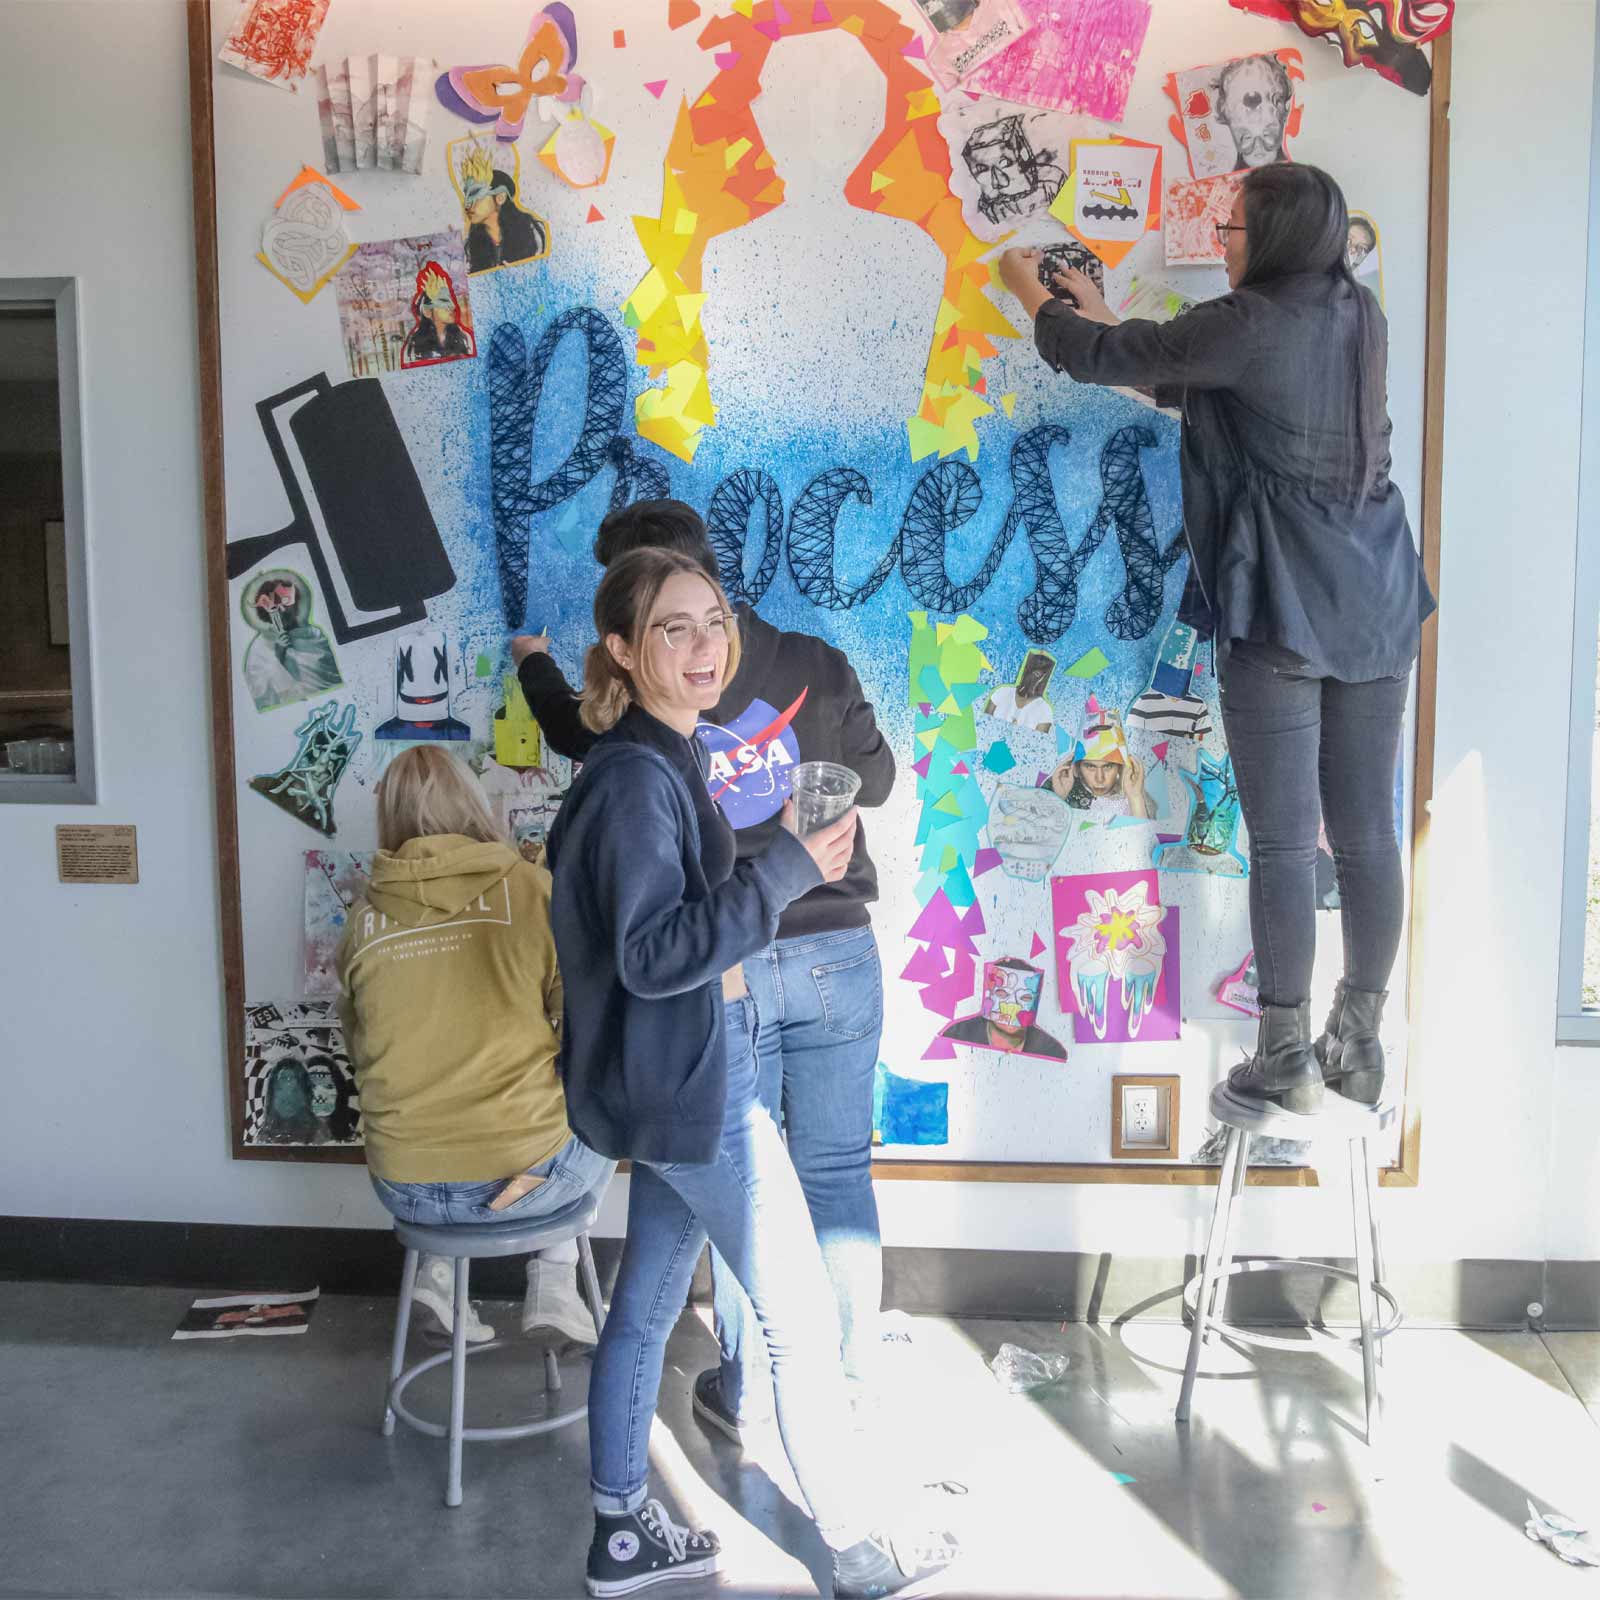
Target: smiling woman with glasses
{"type": "Point", "coordinates": [654, 916]}
{"type": "Point", "coordinates": [1304, 574]}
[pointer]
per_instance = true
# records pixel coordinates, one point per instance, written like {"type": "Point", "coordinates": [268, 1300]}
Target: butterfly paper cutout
{"type": "Point", "coordinates": [502, 94]}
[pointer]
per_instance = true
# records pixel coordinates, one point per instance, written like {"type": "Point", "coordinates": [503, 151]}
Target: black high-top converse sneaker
{"type": "Point", "coordinates": [646, 1547]}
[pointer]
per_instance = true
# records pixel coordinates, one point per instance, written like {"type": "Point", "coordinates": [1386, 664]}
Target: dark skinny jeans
{"type": "Point", "coordinates": [1305, 747]}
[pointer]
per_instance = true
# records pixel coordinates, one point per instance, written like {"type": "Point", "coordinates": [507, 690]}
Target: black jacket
{"type": "Point", "coordinates": [1281, 554]}
{"type": "Point", "coordinates": [834, 722]}
{"type": "Point", "coordinates": [648, 912]}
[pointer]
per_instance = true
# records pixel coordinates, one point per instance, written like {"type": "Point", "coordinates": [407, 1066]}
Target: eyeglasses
{"type": "Point", "coordinates": [680, 633]}
{"type": "Point", "coordinates": [1225, 228]}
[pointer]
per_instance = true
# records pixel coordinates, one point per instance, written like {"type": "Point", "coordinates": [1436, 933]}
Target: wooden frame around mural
{"type": "Point", "coordinates": [203, 168]}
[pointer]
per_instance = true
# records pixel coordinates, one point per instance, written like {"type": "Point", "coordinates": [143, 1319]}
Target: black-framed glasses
{"type": "Point", "coordinates": [681, 632]}
{"type": "Point", "coordinates": [1226, 228]}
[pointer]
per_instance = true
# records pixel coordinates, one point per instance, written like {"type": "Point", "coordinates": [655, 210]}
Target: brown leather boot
{"type": "Point", "coordinates": [1283, 1069]}
{"type": "Point", "coordinates": [1349, 1051]}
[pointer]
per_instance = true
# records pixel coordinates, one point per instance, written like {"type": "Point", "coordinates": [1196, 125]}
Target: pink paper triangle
{"type": "Point", "coordinates": [771, 29]}
{"type": "Point", "coordinates": [921, 767]}
{"type": "Point", "coordinates": [940, 1050]}
{"type": "Point", "coordinates": [820, 13]}
{"type": "Point", "coordinates": [726, 59]}
{"type": "Point", "coordinates": [986, 860]}
{"type": "Point", "coordinates": [658, 88]}
{"type": "Point", "coordinates": [924, 967]}
{"type": "Point", "coordinates": [915, 50]}
{"type": "Point", "coordinates": [961, 769]}
{"type": "Point", "coordinates": [972, 922]}
{"type": "Point", "coordinates": [1159, 751]}
{"type": "Point", "coordinates": [1038, 947]}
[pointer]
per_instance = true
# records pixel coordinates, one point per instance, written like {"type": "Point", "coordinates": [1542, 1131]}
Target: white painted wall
{"type": "Point", "coordinates": [110, 999]}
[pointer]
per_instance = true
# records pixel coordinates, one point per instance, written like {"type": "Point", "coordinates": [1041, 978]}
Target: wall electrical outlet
{"type": "Point", "coordinates": [1141, 1113]}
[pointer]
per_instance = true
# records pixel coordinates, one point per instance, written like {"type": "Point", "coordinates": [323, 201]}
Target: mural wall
{"type": "Point", "coordinates": [488, 271]}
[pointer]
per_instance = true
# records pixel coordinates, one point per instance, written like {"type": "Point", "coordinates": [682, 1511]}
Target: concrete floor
{"type": "Point", "coordinates": [131, 1465]}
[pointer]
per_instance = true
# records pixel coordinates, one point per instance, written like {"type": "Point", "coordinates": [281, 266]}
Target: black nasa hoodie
{"type": "Point", "coordinates": [794, 698]}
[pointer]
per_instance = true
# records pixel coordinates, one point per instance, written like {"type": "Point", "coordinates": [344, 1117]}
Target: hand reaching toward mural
{"type": "Point", "coordinates": [529, 644]}
{"type": "Point", "coordinates": [1092, 305]}
{"type": "Point", "coordinates": [1019, 272]}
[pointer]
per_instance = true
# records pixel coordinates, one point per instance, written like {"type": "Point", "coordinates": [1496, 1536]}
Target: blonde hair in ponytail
{"type": "Point", "coordinates": [607, 693]}
{"type": "Point", "coordinates": [622, 606]}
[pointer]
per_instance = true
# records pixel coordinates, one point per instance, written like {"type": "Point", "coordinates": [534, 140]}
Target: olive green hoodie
{"type": "Point", "coordinates": [451, 1003]}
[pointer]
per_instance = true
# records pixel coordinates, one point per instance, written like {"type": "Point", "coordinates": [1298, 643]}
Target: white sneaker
{"type": "Point", "coordinates": [435, 1291]}
{"type": "Point", "coordinates": [552, 1303]}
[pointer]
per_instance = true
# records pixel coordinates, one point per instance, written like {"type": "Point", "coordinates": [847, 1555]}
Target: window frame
{"type": "Point", "coordinates": [82, 787]}
{"type": "Point", "coordinates": [1574, 1025]}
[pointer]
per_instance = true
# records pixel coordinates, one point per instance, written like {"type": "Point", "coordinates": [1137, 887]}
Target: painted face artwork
{"type": "Point", "coordinates": [1028, 828]}
{"type": "Point", "coordinates": [422, 690]}
{"type": "Point", "coordinates": [1385, 35]}
{"type": "Point", "coordinates": [1253, 100]}
{"type": "Point", "coordinates": [500, 231]}
{"type": "Point", "coordinates": [1011, 994]}
{"type": "Point", "coordinates": [289, 658]}
{"type": "Point", "coordinates": [289, 1096]}
{"type": "Point", "coordinates": [324, 1091]}
{"type": "Point", "coordinates": [1013, 178]}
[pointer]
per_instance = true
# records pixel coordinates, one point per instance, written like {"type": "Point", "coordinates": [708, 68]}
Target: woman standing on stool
{"type": "Point", "coordinates": [1303, 573]}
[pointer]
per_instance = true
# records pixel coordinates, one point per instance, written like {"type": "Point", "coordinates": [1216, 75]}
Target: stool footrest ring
{"type": "Point", "coordinates": [1191, 1298]}
{"type": "Point", "coordinates": [439, 1430]}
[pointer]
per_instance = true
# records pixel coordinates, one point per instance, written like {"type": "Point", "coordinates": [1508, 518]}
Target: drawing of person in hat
{"type": "Point", "coordinates": [1100, 774]}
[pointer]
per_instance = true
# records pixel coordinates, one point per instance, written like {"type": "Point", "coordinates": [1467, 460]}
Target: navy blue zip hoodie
{"type": "Point", "coordinates": [649, 910]}
{"type": "Point", "coordinates": [832, 721]}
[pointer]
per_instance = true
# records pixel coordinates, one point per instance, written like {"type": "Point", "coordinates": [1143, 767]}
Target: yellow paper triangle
{"type": "Point", "coordinates": [1008, 403]}
{"type": "Point", "coordinates": [879, 182]}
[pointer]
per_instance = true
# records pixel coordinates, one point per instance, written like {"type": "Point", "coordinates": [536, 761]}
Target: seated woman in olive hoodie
{"type": "Point", "coordinates": [451, 1003]}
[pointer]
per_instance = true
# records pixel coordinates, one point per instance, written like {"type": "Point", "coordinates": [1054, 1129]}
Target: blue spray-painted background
{"type": "Point", "coordinates": [515, 311]}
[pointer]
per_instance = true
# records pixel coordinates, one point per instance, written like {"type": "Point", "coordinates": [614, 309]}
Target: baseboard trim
{"type": "Point", "coordinates": [1064, 1286]}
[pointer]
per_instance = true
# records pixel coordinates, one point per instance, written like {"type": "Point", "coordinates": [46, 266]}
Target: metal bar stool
{"type": "Point", "coordinates": [1205, 1294]}
{"type": "Point", "coordinates": [463, 1244]}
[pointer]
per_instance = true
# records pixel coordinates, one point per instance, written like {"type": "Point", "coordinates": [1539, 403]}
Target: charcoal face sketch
{"type": "Point", "coordinates": [1014, 180]}
{"type": "Point", "coordinates": [1254, 97]}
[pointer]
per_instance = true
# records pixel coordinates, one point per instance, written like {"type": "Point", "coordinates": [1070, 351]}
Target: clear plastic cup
{"type": "Point", "coordinates": [823, 792]}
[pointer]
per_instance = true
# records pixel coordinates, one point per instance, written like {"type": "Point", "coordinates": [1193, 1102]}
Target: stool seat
{"type": "Point", "coordinates": [483, 1239]}
{"type": "Point", "coordinates": [1338, 1119]}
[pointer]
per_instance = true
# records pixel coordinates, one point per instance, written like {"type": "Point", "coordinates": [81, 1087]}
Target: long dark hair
{"type": "Point", "coordinates": [1296, 221]}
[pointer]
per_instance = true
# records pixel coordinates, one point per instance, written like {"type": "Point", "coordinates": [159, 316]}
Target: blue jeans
{"type": "Point", "coordinates": [820, 1000]}
{"type": "Point", "coordinates": [568, 1175]}
{"type": "Point", "coordinates": [1305, 747]}
{"type": "Point", "coordinates": [748, 1201]}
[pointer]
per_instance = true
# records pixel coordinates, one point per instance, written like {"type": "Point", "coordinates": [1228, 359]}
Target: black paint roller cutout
{"type": "Point", "coordinates": [383, 535]}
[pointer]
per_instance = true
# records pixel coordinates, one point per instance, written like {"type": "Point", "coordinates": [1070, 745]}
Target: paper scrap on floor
{"type": "Point", "coordinates": [231, 1316]}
